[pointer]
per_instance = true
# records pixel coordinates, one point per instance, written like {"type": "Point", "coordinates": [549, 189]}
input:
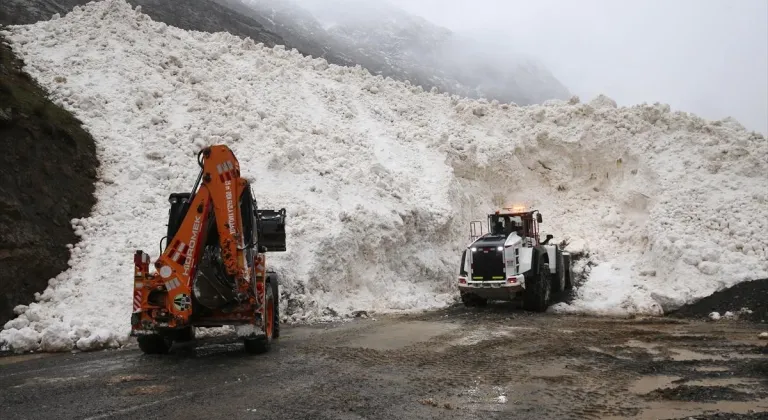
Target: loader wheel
{"type": "Point", "coordinates": [561, 276]}
{"type": "Point", "coordinates": [262, 344]}
{"type": "Point", "coordinates": [568, 268]}
{"type": "Point", "coordinates": [537, 295]}
{"type": "Point", "coordinates": [154, 344]}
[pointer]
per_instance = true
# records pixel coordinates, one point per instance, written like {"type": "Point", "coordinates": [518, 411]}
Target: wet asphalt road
{"type": "Point", "coordinates": [455, 364]}
{"type": "Point", "coordinates": [215, 379]}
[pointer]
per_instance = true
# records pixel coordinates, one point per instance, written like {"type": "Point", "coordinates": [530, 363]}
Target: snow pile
{"type": "Point", "coordinates": [380, 178]}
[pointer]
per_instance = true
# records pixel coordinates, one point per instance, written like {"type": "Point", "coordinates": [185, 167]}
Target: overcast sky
{"type": "Point", "coordinates": [709, 57]}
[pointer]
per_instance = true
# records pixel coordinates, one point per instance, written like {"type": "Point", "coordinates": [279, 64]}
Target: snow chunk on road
{"type": "Point", "coordinates": [20, 340]}
{"type": "Point", "coordinates": [380, 184]}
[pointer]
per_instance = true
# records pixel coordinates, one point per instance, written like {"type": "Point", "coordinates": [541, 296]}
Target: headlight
{"type": "Point", "coordinates": [474, 249]}
{"type": "Point", "coordinates": [500, 248]}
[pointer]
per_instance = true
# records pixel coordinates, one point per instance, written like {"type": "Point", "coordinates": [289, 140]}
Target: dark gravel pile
{"type": "Point", "coordinates": [750, 294]}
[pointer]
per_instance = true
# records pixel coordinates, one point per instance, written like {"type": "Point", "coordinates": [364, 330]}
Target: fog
{"type": "Point", "coordinates": [708, 57]}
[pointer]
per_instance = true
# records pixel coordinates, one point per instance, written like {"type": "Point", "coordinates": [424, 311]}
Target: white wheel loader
{"type": "Point", "coordinates": [510, 262]}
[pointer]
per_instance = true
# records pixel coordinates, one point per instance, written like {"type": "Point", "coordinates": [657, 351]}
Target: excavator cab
{"type": "Point", "coordinates": [177, 211]}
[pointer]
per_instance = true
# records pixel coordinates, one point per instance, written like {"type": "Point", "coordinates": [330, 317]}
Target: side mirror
{"type": "Point", "coordinates": [549, 237]}
{"type": "Point", "coordinates": [538, 217]}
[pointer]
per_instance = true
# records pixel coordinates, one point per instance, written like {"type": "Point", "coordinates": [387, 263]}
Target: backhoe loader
{"type": "Point", "coordinates": [212, 271]}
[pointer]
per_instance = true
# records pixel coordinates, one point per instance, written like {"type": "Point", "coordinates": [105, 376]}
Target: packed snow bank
{"type": "Point", "coordinates": [379, 177]}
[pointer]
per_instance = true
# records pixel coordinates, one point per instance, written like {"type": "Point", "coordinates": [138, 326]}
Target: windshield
{"type": "Point", "coordinates": [504, 224]}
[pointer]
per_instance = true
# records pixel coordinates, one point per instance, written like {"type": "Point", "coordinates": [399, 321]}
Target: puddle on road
{"type": "Point", "coordinates": [479, 335]}
{"type": "Point", "coordinates": [711, 369]}
{"type": "Point", "coordinates": [147, 390]}
{"type": "Point", "coordinates": [648, 384]}
{"type": "Point", "coordinates": [679, 409]}
{"type": "Point", "coordinates": [746, 383]}
{"type": "Point", "coordinates": [16, 358]}
{"type": "Point", "coordinates": [49, 381]}
{"type": "Point", "coordinates": [551, 370]}
{"type": "Point", "coordinates": [403, 334]}
{"type": "Point", "coordinates": [648, 347]}
{"type": "Point", "coordinates": [601, 351]}
{"type": "Point", "coordinates": [680, 355]}
{"type": "Point", "coordinates": [687, 355]}
{"type": "Point", "coordinates": [128, 378]}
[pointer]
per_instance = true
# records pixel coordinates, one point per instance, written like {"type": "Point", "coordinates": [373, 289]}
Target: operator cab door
{"type": "Point", "coordinates": [465, 265]}
{"type": "Point", "coordinates": [530, 231]}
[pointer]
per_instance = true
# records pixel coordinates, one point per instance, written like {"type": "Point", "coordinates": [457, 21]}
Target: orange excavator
{"type": "Point", "coordinates": [212, 271]}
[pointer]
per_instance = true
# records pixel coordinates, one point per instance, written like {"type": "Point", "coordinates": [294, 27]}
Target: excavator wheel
{"type": "Point", "coordinates": [263, 343]}
{"type": "Point", "coordinates": [154, 344]}
{"type": "Point", "coordinates": [276, 294]}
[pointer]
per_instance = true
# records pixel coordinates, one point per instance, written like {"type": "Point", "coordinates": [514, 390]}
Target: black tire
{"type": "Point", "coordinates": [263, 343]}
{"type": "Point", "coordinates": [471, 300]}
{"type": "Point", "coordinates": [154, 344]}
{"type": "Point", "coordinates": [560, 285]}
{"type": "Point", "coordinates": [538, 292]}
{"type": "Point", "coordinates": [274, 281]}
{"type": "Point", "coordinates": [185, 335]}
{"type": "Point", "coordinates": [568, 269]}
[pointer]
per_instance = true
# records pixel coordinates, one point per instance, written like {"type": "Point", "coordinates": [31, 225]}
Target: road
{"type": "Point", "coordinates": [496, 362]}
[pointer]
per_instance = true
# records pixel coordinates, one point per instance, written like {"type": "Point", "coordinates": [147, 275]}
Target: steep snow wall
{"type": "Point", "coordinates": [379, 178]}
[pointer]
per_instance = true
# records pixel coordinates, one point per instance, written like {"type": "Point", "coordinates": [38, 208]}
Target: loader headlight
{"type": "Point", "coordinates": [474, 249]}
{"type": "Point", "coordinates": [499, 248]}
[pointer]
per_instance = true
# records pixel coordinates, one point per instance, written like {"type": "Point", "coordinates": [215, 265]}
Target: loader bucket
{"type": "Point", "coordinates": [272, 229]}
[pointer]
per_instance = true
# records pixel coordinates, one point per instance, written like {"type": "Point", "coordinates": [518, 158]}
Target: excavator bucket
{"type": "Point", "coordinates": [272, 229]}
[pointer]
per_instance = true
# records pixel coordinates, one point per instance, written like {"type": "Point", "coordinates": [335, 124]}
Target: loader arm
{"type": "Point", "coordinates": [168, 292]}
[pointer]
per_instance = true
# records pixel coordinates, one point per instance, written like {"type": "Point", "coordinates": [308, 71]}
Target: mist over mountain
{"type": "Point", "coordinates": [391, 42]}
{"type": "Point", "coordinates": [378, 36]}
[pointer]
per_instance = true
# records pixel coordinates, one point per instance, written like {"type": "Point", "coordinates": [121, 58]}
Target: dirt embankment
{"type": "Point", "coordinates": [48, 167]}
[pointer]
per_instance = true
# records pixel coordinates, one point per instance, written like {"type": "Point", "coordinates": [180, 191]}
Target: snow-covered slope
{"type": "Point", "coordinates": [379, 178]}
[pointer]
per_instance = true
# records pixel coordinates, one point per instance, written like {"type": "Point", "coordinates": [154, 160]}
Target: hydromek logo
{"type": "Point", "coordinates": [230, 207]}
{"type": "Point", "coordinates": [192, 244]}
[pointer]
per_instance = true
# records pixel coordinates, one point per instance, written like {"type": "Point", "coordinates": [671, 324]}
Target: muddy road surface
{"type": "Point", "coordinates": [492, 363]}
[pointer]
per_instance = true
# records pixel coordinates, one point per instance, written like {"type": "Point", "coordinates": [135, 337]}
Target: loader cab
{"type": "Point", "coordinates": [504, 224]}
{"type": "Point", "coordinates": [524, 224]}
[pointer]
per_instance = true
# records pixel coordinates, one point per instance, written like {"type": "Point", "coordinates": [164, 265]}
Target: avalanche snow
{"type": "Point", "coordinates": [380, 178]}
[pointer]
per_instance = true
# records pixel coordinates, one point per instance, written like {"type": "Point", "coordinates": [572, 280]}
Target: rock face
{"type": "Point", "coordinates": [47, 173]}
{"type": "Point", "coordinates": [198, 15]}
